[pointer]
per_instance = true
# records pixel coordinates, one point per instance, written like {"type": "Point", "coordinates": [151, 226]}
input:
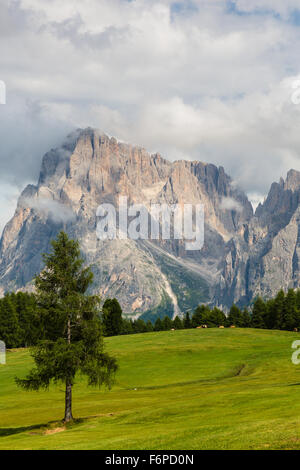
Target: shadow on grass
{"type": "Point", "coordinates": [43, 429]}
{"type": "Point", "coordinates": [10, 431]}
{"type": "Point", "coordinates": [38, 429]}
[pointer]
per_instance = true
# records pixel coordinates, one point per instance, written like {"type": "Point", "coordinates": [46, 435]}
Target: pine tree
{"type": "Point", "coordinates": [28, 319]}
{"type": "Point", "coordinates": [149, 326]}
{"type": "Point", "coordinates": [246, 318]}
{"type": "Point", "coordinates": [276, 311]}
{"type": "Point", "coordinates": [127, 328]}
{"type": "Point", "coordinates": [139, 326]}
{"type": "Point", "coordinates": [290, 313]}
{"type": "Point", "coordinates": [201, 316]}
{"type": "Point", "coordinates": [10, 331]}
{"type": "Point", "coordinates": [270, 318]}
{"type": "Point", "coordinates": [112, 317]}
{"type": "Point", "coordinates": [235, 317]}
{"type": "Point", "coordinates": [177, 323]}
{"type": "Point", "coordinates": [158, 326]}
{"type": "Point", "coordinates": [298, 299]}
{"type": "Point", "coordinates": [187, 321]}
{"type": "Point", "coordinates": [70, 323]}
{"type": "Point", "coordinates": [258, 313]}
{"type": "Point", "coordinates": [216, 317]}
{"type": "Point", "coordinates": [167, 323]}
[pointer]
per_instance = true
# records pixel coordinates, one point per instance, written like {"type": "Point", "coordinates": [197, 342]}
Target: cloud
{"type": "Point", "coordinates": [230, 204]}
{"type": "Point", "coordinates": [285, 9]}
{"type": "Point", "coordinates": [206, 79]}
{"type": "Point", "coordinates": [46, 207]}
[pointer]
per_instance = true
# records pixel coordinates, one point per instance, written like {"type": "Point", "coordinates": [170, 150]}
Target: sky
{"type": "Point", "coordinates": [210, 80]}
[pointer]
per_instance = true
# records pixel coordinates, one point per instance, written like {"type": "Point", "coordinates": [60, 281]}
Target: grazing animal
{"type": "Point", "coordinates": [295, 329]}
{"type": "Point", "coordinates": [232, 326]}
{"type": "Point", "coordinates": [221, 326]}
{"type": "Point", "coordinates": [204, 326]}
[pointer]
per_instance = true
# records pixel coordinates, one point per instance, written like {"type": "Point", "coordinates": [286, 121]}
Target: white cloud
{"type": "Point", "coordinates": [46, 207]}
{"type": "Point", "coordinates": [230, 204]}
{"type": "Point", "coordinates": [8, 202]}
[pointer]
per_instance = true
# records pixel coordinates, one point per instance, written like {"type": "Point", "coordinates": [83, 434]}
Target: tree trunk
{"type": "Point", "coordinates": [68, 403]}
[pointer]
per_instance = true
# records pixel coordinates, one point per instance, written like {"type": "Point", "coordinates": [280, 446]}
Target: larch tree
{"type": "Point", "coordinates": [70, 325]}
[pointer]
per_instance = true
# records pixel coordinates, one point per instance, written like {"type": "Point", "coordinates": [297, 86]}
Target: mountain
{"type": "Point", "coordinates": [244, 254]}
{"type": "Point", "coordinates": [267, 257]}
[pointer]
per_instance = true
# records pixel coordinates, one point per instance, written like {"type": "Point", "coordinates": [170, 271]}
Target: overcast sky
{"type": "Point", "coordinates": [212, 80]}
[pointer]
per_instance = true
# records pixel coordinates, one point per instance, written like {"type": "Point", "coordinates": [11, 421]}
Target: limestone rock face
{"type": "Point", "coordinates": [266, 258]}
{"type": "Point", "coordinates": [243, 254]}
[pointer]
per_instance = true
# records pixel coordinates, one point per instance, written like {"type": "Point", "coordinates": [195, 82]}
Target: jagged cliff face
{"type": "Point", "coordinates": [266, 258]}
{"type": "Point", "coordinates": [242, 254]}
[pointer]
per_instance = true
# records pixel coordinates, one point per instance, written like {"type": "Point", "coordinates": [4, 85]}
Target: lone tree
{"type": "Point", "coordinates": [71, 336]}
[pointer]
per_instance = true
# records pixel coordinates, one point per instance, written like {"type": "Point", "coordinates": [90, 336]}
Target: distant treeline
{"type": "Point", "coordinates": [20, 325]}
{"type": "Point", "coordinates": [281, 313]}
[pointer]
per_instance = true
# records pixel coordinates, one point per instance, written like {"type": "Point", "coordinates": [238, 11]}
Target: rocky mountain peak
{"type": "Point", "coordinates": [148, 276]}
{"type": "Point", "coordinates": [292, 181]}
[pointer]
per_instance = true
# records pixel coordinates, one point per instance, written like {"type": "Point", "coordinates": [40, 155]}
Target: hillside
{"type": "Point", "coordinates": [188, 389]}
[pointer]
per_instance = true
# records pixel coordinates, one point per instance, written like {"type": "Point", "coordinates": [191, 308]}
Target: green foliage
{"type": "Point", "coordinates": [149, 326]}
{"type": "Point", "coordinates": [259, 313]}
{"type": "Point", "coordinates": [112, 318]}
{"type": "Point", "coordinates": [246, 318]}
{"type": "Point", "coordinates": [167, 323]}
{"type": "Point", "coordinates": [187, 323]}
{"type": "Point", "coordinates": [203, 315]}
{"type": "Point", "coordinates": [27, 316]}
{"type": "Point", "coordinates": [139, 326]}
{"type": "Point", "coordinates": [217, 318]}
{"type": "Point", "coordinates": [275, 314]}
{"type": "Point", "coordinates": [235, 317]}
{"type": "Point", "coordinates": [282, 312]}
{"type": "Point", "coordinates": [290, 317]}
{"type": "Point", "coordinates": [177, 323]}
{"type": "Point", "coordinates": [200, 316]}
{"type": "Point", "coordinates": [69, 323]}
{"type": "Point", "coordinates": [158, 326]}
{"type": "Point", "coordinates": [10, 331]}
{"type": "Point", "coordinates": [127, 328]}
{"type": "Point", "coordinates": [18, 320]}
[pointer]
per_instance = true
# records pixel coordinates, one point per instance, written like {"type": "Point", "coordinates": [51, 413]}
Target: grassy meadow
{"type": "Point", "coordinates": [185, 389]}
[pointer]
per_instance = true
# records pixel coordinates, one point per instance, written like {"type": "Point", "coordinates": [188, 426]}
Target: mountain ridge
{"type": "Point", "coordinates": [90, 168]}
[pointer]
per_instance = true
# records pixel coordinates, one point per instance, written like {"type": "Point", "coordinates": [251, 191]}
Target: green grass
{"type": "Point", "coordinates": [192, 389]}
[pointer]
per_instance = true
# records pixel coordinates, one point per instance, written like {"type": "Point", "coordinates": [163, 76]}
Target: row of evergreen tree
{"type": "Point", "coordinates": [19, 325]}
{"type": "Point", "coordinates": [281, 313]}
